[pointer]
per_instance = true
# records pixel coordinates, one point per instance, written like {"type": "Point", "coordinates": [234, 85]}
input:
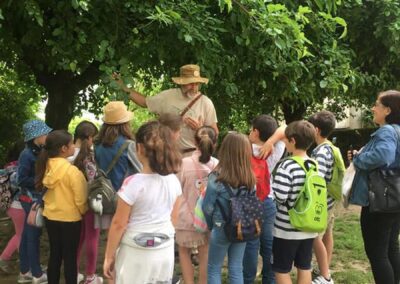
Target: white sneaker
{"type": "Point", "coordinates": [94, 279]}
{"type": "Point", "coordinates": [80, 278]}
{"type": "Point", "coordinates": [25, 277]}
{"type": "Point", "coordinates": [40, 280]}
{"type": "Point", "coordinates": [321, 280]}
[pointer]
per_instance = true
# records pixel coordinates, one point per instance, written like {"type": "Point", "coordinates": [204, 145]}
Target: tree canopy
{"type": "Point", "coordinates": [282, 57]}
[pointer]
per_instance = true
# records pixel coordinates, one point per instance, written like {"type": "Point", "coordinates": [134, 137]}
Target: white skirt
{"type": "Point", "coordinates": [145, 265]}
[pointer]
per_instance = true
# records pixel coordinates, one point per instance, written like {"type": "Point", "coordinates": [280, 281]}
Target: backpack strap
{"type": "Point", "coordinates": [116, 157]}
{"type": "Point", "coordinates": [306, 165]}
{"type": "Point", "coordinates": [201, 179]}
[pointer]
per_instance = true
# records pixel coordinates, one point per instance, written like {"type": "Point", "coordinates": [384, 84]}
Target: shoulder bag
{"type": "Point", "coordinates": [384, 188]}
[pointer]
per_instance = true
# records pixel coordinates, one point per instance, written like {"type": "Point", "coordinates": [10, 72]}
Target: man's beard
{"type": "Point", "coordinates": [190, 93]}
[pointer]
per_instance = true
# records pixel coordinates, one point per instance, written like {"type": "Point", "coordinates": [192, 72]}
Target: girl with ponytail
{"type": "Point", "coordinates": [83, 159]}
{"type": "Point", "coordinates": [64, 204]}
{"type": "Point", "coordinates": [140, 246]}
{"type": "Point", "coordinates": [193, 178]}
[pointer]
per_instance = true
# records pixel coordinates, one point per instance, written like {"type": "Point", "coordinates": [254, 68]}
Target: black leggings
{"type": "Point", "coordinates": [380, 232]}
{"type": "Point", "coordinates": [64, 240]}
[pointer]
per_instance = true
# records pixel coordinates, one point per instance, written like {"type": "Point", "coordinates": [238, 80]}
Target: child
{"type": "Point", "coordinates": [193, 175]}
{"type": "Point", "coordinates": [64, 204]}
{"type": "Point", "coordinates": [35, 133]}
{"type": "Point", "coordinates": [15, 212]}
{"type": "Point", "coordinates": [324, 123]}
{"type": "Point", "coordinates": [140, 246]}
{"type": "Point", "coordinates": [174, 122]}
{"type": "Point", "coordinates": [289, 244]}
{"type": "Point", "coordinates": [263, 127]}
{"type": "Point", "coordinates": [115, 131]}
{"type": "Point", "coordinates": [83, 159]}
{"type": "Point", "coordinates": [233, 170]}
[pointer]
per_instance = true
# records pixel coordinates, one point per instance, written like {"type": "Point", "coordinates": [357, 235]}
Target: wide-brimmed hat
{"type": "Point", "coordinates": [189, 74]}
{"type": "Point", "coordinates": [35, 128]}
{"type": "Point", "coordinates": [116, 112]}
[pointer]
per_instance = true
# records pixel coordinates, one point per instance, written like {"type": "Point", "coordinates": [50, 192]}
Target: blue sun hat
{"type": "Point", "coordinates": [35, 128]}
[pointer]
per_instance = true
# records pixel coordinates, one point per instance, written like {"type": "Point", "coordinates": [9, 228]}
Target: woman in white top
{"type": "Point", "coordinates": [140, 246]}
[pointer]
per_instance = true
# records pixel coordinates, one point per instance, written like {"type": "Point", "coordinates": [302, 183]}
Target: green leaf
{"type": "Point", "coordinates": [188, 38]}
{"type": "Point", "coordinates": [323, 84]}
{"type": "Point", "coordinates": [320, 4]}
{"type": "Point", "coordinates": [174, 14]}
{"type": "Point", "coordinates": [75, 4]}
{"type": "Point", "coordinates": [72, 66]}
{"type": "Point", "coordinates": [342, 23]}
{"type": "Point", "coordinates": [57, 31]}
{"type": "Point", "coordinates": [275, 8]}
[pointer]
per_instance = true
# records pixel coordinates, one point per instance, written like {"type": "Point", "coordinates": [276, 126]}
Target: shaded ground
{"type": "Point", "coordinates": [7, 230]}
{"type": "Point", "coordinates": [349, 261]}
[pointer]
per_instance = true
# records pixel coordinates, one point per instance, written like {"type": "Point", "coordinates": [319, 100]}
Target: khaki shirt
{"type": "Point", "coordinates": [173, 101]}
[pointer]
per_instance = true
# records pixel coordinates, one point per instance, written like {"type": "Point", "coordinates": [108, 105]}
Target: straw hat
{"type": "Point", "coordinates": [189, 74]}
{"type": "Point", "coordinates": [116, 112]}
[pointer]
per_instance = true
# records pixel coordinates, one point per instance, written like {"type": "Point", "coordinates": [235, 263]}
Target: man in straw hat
{"type": "Point", "coordinates": [196, 109]}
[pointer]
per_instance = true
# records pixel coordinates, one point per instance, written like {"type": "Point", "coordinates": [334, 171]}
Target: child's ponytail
{"type": "Point", "coordinates": [206, 139]}
{"type": "Point", "coordinates": [54, 141]}
{"type": "Point", "coordinates": [40, 169]}
{"type": "Point", "coordinates": [83, 132]}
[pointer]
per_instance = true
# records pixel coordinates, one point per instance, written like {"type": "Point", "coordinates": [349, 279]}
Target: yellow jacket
{"type": "Point", "coordinates": [66, 196]}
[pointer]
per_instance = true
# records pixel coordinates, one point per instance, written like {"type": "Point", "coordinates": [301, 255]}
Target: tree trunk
{"type": "Point", "coordinates": [60, 107]}
{"type": "Point", "coordinates": [294, 110]}
{"type": "Point", "coordinates": [62, 89]}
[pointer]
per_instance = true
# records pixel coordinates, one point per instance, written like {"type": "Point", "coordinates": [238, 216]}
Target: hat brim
{"type": "Point", "coordinates": [189, 80]}
{"type": "Point", "coordinates": [46, 130]}
{"type": "Point", "coordinates": [128, 117]}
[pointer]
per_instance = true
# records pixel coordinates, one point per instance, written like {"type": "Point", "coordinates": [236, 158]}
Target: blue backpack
{"type": "Point", "coordinates": [244, 219]}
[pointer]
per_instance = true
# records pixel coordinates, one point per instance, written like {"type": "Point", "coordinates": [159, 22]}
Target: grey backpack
{"type": "Point", "coordinates": [102, 197]}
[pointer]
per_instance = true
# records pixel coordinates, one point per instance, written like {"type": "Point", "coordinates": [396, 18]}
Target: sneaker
{"type": "Point", "coordinates": [94, 279]}
{"type": "Point", "coordinates": [176, 280]}
{"type": "Point", "coordinates": [321, 280]}
{"type": "Point", "coordinates": [315, 272]}
{"type": "Point", "coordinates": [80, 278]}
{"type": "Point", "coordinates": [5, 266]}
{"type": "Point", "coordinates": [40, 280]}
{"type": "Point", "coordinates": [25, 277]}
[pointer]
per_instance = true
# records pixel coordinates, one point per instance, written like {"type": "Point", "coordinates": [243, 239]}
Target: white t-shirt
{"type": "Point", "coordinates": [152, 197]}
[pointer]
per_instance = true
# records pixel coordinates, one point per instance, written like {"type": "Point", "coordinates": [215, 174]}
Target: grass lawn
{"type": "Point", "coordinates": [349, 263]}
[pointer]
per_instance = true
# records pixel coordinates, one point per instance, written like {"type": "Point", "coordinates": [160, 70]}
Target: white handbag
{"type": "Point", "coordinates": [35, 216]}
{"type": "Point", "coordinates": [347, 183]}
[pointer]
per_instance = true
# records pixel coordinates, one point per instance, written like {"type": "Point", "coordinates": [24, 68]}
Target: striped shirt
{"type": "Point", "coordinates": [323, 154]}
{"type": "Point", "coordinates": [286, 184]}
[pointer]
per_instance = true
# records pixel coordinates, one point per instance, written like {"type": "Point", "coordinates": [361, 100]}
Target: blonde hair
{"type": "Point", "coordinates": [234, 167]}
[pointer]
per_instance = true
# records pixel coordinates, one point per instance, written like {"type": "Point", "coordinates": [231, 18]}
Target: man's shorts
{"type": "Point", "coordinates": [286, 252]}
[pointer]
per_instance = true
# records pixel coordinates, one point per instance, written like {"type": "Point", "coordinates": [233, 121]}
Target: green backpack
{"type": "Point", "coordinates": [310, 210]}
{"type": "Point", "coordinates": [335, 186]}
